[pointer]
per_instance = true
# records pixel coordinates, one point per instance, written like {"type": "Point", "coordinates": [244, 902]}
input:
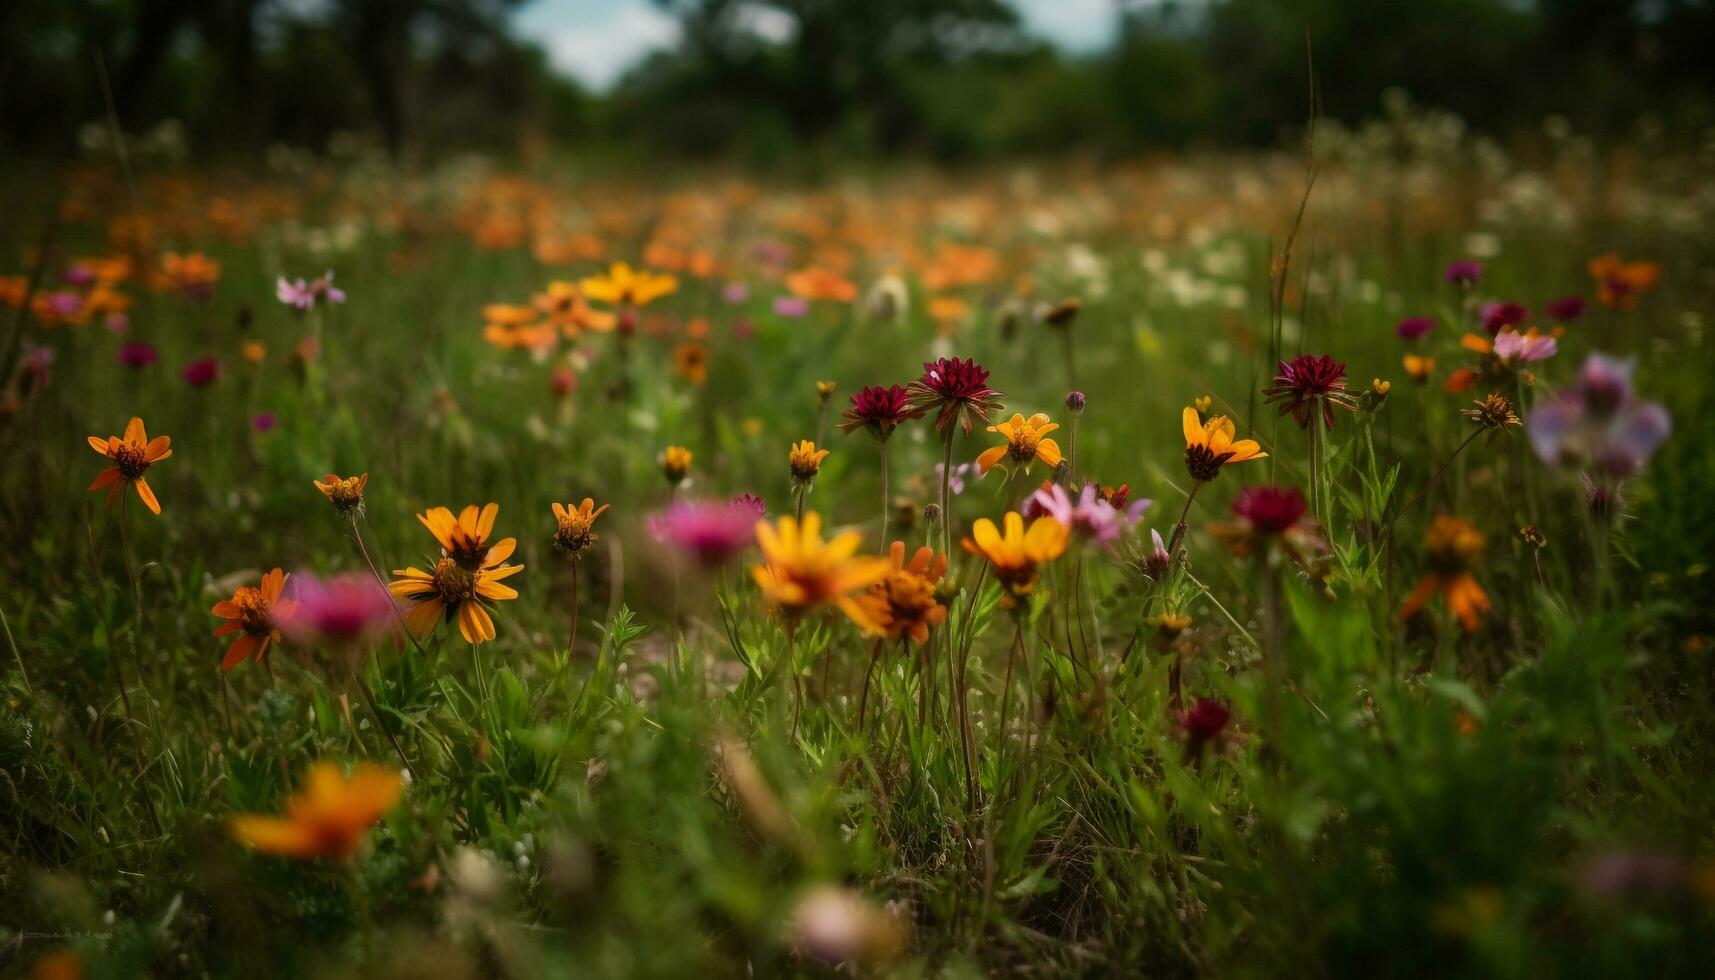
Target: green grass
{"type": "Point", "coordinates": [1402, 799]}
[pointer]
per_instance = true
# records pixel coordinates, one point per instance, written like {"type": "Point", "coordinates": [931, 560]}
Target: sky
{"type": "Point", "coordinates": [595, 41]}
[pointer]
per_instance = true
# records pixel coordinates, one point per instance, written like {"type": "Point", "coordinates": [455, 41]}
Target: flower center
{"type": "Point", "coordinates": [1203, 464]}
{"type": "Point", "coordinates": [253, 611]}
{"type": "Point", "coordinates": [453, 582]}
{"type": "Point", "coordinates": [130, 461]}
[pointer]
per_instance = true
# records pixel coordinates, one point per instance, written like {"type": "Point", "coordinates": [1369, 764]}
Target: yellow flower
{"type": "Point", "coordinates": [676, 464]}
{"type": "Point", "coordinates": [805, 461]}
{"type": "Point", "coordinates": [1024, 442]}
{"type": "Point", "coordinates": [344, 492]}
{"type": "Point", "coordinates": [564, 306]}
{"type": "Point", "coordinates": [329, 817]}
{"type": "Point", "coordinates": [1419, 367]}
{"type": "Point", "coordinates": [691, 362]}
{"type": "Point", "coordinates": [1210, 446]}
{"type": "Point", "coordinates": [573, 533]}
{"type": "Point", "coordinates": [802, 572]}
{"type": "Point", "coordinates": [464, 580]}
{"type": "Point", "coordinates": [1017, 555]}
{"type": "Point", "coordinates": [254, 351]}
{"type": "Point", "coordinates": [132, 456]}
{"type": "Point", "coordinates": [623, 286]}
{"type": "Point", "coordinates": [251, 613]}
{"type": "Point", "coordinates": [903, 603]}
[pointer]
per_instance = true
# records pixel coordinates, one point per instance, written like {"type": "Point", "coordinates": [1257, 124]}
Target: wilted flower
{"type": "Point", "coordinates": [572, 526]}
{"type": "Point", "coordinates": [1492, 412]}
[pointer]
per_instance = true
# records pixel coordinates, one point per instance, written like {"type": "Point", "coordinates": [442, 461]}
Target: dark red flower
{"type": "Point", "coordinates": [201, 372]}
{"type": "Point", "coordinates": [958, 390]}
{"type": "Point", "coordinates": [1464, 272]}
{"type": "Point", "coordinates": [1270, 509]}
{"type": "Point", "coordinates": [1307, 382]}
{"type": "Point", "coordinates": [1565, 309]}
{"type": "Point", "coordinates": [1499, 316]}
{"type": "Point", "coordinates": [1413, 327]}
{"type": "Point", "coordinates": [1201, 724]}
{"type": "Point", "coordinates": [880, 410]}
{"type": "Point", "coordinates": [137, 355]}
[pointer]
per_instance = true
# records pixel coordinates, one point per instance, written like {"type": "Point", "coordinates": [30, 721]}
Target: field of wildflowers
{"type": "Point", "coordinates": [1249, 565]}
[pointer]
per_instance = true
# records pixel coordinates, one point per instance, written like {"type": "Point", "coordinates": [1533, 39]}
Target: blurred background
{"type": "Point", "coordinates": [772, 83]}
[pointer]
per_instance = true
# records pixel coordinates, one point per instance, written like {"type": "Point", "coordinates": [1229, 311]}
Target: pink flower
{"type": "Point", "coordinates": [791, 306]}
{"type": "Point", "coordinates": [201, 372]}
{"type": "Point", "coordinates": [349, 609]}
{"type": "Point", "coordinates": [264, 421]}
{"type": "Point", "coordinates": [1089, 517]}
{"type": "Point", "coordinates": [1513, 347]}
{"type": "Point", "coordinates": [710, 533]}
{"type": "Point", "coordinates": [302, 295]}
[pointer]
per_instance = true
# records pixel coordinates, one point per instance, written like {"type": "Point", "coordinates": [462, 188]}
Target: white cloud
{"type": "Point", "coordinates": [1075, 25]}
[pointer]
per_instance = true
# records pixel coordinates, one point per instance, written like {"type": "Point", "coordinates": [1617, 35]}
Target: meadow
{"type": "Point", "coordinates": [1319, 585]}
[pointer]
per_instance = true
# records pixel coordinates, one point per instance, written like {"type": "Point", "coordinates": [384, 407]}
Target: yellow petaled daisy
{"type": "Point", "coordinates": [573, 533]}
{"type": "Point", "coordinates": [903, 603]}
{"type": "Point", "coordinates": [1017, 555]}
{"type": "Point", "coordinates": [805, 461]}
{"type": "Point", "coordinates": [676, 464]}
{"type": "Point", "coordinates": [344, 492]}
{"type": "Point", "coordinates": [802, 572]}
{"type": "Point", "coordinates": [1210, 445]}
{"type": "Point", "coordinates": [328, 818]}
{"type": "Point", "coordinates": [624, 286]}
{"type": "Point", "coordinates": [464, 580]}
{"type": "Point", "coordinates": [1025, 441]}
{"type": "Point", "coordinates": [132, 456]}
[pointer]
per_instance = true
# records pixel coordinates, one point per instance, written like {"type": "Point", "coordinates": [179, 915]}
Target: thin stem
{"type": "Point", "coordinates": [947, 496]}
{"type": "Point", "coordinates": [374, 709]}
{"type": "Point", "coordinates": [863, 695]}
{"type": "Point", "coordinates": [357, 539]}
{"type": "Point", "coordinates": [572, 638]}
{"type": "Point", "coordinates": [22, 673]}
{"type": "Point", "coordinates": [1436, 476]}
{"type": "Point", "coordinates": [1181, 527]}
{"type": "Point", "coordinates": [885, 505]}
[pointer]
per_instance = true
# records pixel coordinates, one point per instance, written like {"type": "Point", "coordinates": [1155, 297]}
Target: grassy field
{"type": "Point", "coordinates": [698, 747]}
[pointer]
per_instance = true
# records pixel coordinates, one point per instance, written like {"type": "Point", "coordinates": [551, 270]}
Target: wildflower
{"type": "Point", "coordinates": [791, 307]}
{"type": "Point", "coordinates": [1379, 388]}
{"type": "Point", "coordinates": [264, 421]}
{"type": "Point", "coordinates": [801, 572]}
{"type": "Point", "coordinates": [1599, 423]}
{"type": "Point", "coordinates": [565, 308]}
{"type": "Point", "coordinates": [1414, 327]}
{"type": "Point", "coordinates": [1202, 725]}
{"type": "Point", "coordinates": [735, 292]}
{"type": "Point", "coordinates": [1203, 403]}
{"type": "Point", "coordinates": [1499, 316]}
{"type": "Point", "coordinates": [710, 533]}
{"type": "Point", "coordinates": [253, 351]}
{"type": "Point", "coordinates": [825, 390]}
{"type": "Point", "coordinates": [1566, 309]}
{"type": "Point", "coordinates": [691, 362]}
{"type": "Point", "coordinates": [1026, 441]}
{"type": "Point", "coordinates": [805, 461]}
{"type": "Point", "coordinates": [251, 614]}
{"type": "Point", "coordinates": [329, 818]}
{"type": "Point", "coordinates": [956, 477]}
{"type": "Point", "coordinates": [137, 356]}
{"type": "Point", "coordinates": [1169, 626]}
{"type": "Point", "coordinates": [193, 274]}
{"type": "Point", "coordinates": [344, 492]}
{"type": "Point", "coordinates": [1017, 555]}
{"type": "Point", "coordinates": [1091, 517]}
{"type": "Point", "coordinates": [1210, 446]}
{"type": "Point", "coordinates": [201, 372]}
{"type": "Point", "coordinates": [1076, 402]}
{"type": "Point", "coordinates": [1271, 517]}
{"type": "Point", "coordinates": [1464, 273]}
{"type": "Point", "coordinates": [903, 603]}
{"type": "Point", "coordinates": [1514, 348]}
{"type": "Point", "coordinates": [625, 287]}
{"type": "Point", "coordinates": [751, 502]}
{"type": "Point", "coordinates": [1619, 283]}
{"type": "Point", "coordinates": [1308, 384]}
{"type": "Point", "coordinates": [957, 390]}
{"type": "Point", "coordinates": [303, 296]}
{"type": "Point", "coordinates": [880, 410]}
{"type": "Point", "coordinates": [888, 300]}
{"type": "Point", "coordinates": [833, 926]}
{"type": "Point", "coordinates": [1157, 562]}
{"type": "Point", "coordinates": [562, 382]}
{"type": "Point", "coordinates": [816, 283]}
{"type": "Point", "coordinates": [1064, 313]}
{"type": "Point", "coordinates": [1492, 412]}
{"type": "Point", "coordinates": [1463, 379]}
{"type": "Point", "coordinates": [1454, 545]}
{"type": "Point", "coordinates": [675, 464]}
{"type": "Point", "coordinates": [465, 578]}
{"type": "Point", "coordinates": [345, 611]}
{"type": "Point", "coordinates": [572, 533]}
{"type": "Point", "coordinates": [132, 456]}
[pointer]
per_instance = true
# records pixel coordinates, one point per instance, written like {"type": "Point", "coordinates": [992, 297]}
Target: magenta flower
{"type": "Point", "coordinates": [955, 482]}
{"type": "Point", "coordinates": [880, 410]}
{"type": "Point", "coordinates": [137, 356]}
{"type": "Point", "coordinates": [78, 274]}
{"type": "Point", "coordinates": [957, 390]}
{"type": "Point", "coordinates": [1499, 316]}
{"type": "Point", "coordinates": [201, 372]}
{"type": "Point", "coordinates": [1566, 309]}
{"type": "Point", "coordinates": [346, 610]}
{"type": "Point", "coordinates": [1202, 725]}
{"type": "Point", "coordinates": [1308, 384]}
{"type": "Point", "coordinates": [736, 292]}
{"type": "Point", "coordinates": [1513, 347]}
{"type": "Point", "coordinates": [1270, 509]}
{"type": "Point", "coordinates": [264, 421]}
{"type": "Point", "coordinates": [1464, 273]}
{"type": "Point", "coordinates": [792, 307]}
{"type": "Point", "coordinates": [751, 501]}
{"type": "Point", "coordinates": [1414, 327]}
{"type": "Point", "coordinates": [710, 533]}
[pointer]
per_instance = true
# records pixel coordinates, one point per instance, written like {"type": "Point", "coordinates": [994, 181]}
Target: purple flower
{"type": "Point", "coordinates": [791, 306]}
{"type": "Point", "coordinates": [1089, 517]}
{"type": "Point", "coordinates": [137, 356]}
{"type": "Point", "coordinates": [302, 295]}
{"type": "Point", "coordinates": [955, 482]}
{"type": "Point", "coordinates": [346, 610]}
{"type": "Point", "coordinates": [117, 322]}
{"type": "Point", "coordinates": [1566, 309]}
{"type": "Point", "coordinates": [264, 421]}
{"type": "Point", "coordinates": [1596, 423]}
{"type": "Point", "coordinates": [1464, 272]}
{"type": "Point", "coordinates": [63, 304]}
{"type": "Point", "coordinates": [1499, 316]}
{"type": "Point", "coordinates": [201, 372]}
{"type": "Point", "coordinates": [736, 292]}
{"type": "Point", "coordinates": [1414, 327]}
{"type": "Point", "coordinates": [1513, 347]}
{"type": "Point", "coordinates": [710, 533]}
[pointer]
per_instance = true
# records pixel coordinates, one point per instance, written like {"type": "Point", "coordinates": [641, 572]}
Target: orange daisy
{"type": "Point", "coordinates": [328, 818]}
{"type": "Point", "coordinates": [132, 456]}
{"type": "Point", "coordinates": [251, 614]}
